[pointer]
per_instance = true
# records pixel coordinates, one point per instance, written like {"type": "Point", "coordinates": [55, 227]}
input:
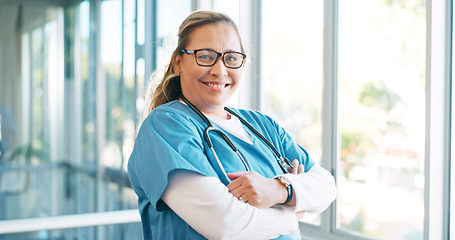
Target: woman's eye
{"type": "Point", "coordinates": [233, 58]}
{"type": "Point", "coordinates": [205, 57]}
{"type": "Point", "coordinates": [230, 58]}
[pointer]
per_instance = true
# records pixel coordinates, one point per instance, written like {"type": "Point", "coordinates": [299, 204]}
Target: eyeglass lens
{"type": "Point", "coordinates": [209, 57]}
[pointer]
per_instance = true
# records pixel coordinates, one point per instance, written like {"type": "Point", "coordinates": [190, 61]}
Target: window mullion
{"type": "Point", "coordinates": [437, 147]}
{"type": "Point", "coordinates": [330, 133]}
{"type": "Point", "coordinates": [250, 27]}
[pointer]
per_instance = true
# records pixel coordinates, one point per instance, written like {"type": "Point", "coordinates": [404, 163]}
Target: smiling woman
{"type": "Point", "coordinates": [174, 158]}
{"type": "Point", "coordinates": [210, 87]}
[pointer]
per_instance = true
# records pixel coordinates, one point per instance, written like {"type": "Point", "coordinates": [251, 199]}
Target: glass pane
{"type": "Point", "coordinates": [31, 89]}
{"type": "Point", "coordinates": [88, 87]}
{"type": "Point", "coordinates": [140, 22]}
{"type": "Point", "coordinates": [381, 71]}
{"type": "Point", "coordinates": [231, 8]}
{"type": "Point", "coordinates": [291, 77]}
{"type": "Point", "coordinates": [129, 81]}
{"type": "Point", "coordinates": [112, 83]}
{"type": "Point", "coordinates": [167, 28]}
{"type": "Point", "coordinates": [50, 112]}
{"type": "Point", "coordinates": [141, 86]}
{"type": "Point", "coordinates": [85, 146]}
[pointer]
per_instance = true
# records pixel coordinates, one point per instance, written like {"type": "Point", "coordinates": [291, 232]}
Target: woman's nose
{"type": "Point", "coordinates": [219, 69]}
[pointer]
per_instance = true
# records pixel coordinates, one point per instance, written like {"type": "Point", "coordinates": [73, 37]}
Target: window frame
{"type": "Point", "coordinates": [438, 112]}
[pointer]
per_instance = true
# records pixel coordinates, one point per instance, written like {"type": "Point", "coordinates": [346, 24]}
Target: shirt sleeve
{"type": "Point", "coordinates": [315, 190]}
{"type": "Point", "coordinates": [167, 141]}
{"type": "Point", "coordinates": [211, 210]}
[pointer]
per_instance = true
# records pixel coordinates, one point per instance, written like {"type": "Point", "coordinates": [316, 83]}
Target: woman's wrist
{"type": "Point", "coordinates": [288, 186]}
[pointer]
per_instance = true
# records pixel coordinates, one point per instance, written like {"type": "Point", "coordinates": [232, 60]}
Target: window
{"type": "Point", "coordinates": [69, 108]}
{"type": "Point", "coordinates": [379, 84]}
{"type": "Point", "coordinates": [292, 76]}
{"type": "Point", "coordinates": [29, 139]}
{"type": "Point", "coordinates": [381, 74]}
{"type": "Point", "coordinates": [58, 144]}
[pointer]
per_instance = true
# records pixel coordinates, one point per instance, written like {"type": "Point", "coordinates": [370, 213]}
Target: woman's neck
{"type": "Point", "coordinates": [216, 112]}
{"type": "Point", "coordinates": [219, 114]}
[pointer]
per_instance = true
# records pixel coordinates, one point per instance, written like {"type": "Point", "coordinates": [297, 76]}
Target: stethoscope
{"type": "Point", "coordinates": [283, 162]}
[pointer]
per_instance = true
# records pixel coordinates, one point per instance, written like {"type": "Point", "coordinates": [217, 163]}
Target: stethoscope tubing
{"type": "Point", "coordinates": [284, 163]}
{"type": "Point", "coordinates": [229, 142]}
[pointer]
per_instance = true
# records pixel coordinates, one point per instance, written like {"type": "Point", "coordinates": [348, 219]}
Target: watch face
{"type": "Point", "coordinates": [284, 181]}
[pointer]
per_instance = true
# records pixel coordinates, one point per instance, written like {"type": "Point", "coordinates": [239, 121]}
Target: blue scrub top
{"type": "Point", "coordinates": [171, 138]}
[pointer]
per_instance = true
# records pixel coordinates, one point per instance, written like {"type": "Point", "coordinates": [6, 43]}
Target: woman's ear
{"type": "Point", "coordinates": [176, 64]}
{"type": "Point", "coordinates": [177, 61]}
{"type": "Point", "coordinates": [178, 58]}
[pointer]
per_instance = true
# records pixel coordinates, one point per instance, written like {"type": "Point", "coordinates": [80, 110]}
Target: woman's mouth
{"type": "Point", "coordinates": [216, 85]}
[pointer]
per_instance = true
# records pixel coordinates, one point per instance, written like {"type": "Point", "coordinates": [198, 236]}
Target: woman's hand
{"type": "Point", "coordinates": [259, 191]}
{"type": "Point", "coordinates": [299, 215]}
{"type": "Point", "coordinates": [298, 168]}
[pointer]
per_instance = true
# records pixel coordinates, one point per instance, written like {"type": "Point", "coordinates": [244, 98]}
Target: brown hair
{"type": "Point", "coordinates": [169, 88]}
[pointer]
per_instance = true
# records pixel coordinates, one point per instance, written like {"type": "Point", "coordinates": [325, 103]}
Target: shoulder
{"type": "Point", "coordinates": [172, 108]}
{"type": "Point", "coordinates": [170, 127]}
{"type": "Point", "coordinates": [171, 113]}
{"type": "Point", "coordinates": [170, 120]}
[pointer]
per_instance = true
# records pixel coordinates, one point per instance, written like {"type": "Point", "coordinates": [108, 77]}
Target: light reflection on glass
{"type": "Point", "coordinates": [111, 32]}
{"type": "Point", "coordinates": [112, 82]}
{"type": "Point", "coordinates": [381, 118]}
{"type": "Point", "coordinates": [292, 75]}
{"type": "Point", "coordinates": [140, 22]}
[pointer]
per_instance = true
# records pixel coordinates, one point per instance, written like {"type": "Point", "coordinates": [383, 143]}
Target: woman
{"type": "Point", "coordinates": [187, 190]}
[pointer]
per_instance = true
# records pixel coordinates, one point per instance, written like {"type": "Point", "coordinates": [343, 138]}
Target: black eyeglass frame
{"type": "Point", "coordinates": [218, 55]}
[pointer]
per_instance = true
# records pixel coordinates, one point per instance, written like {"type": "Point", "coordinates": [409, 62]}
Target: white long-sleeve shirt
{"type": "Point", "coordinates": [207, 206]}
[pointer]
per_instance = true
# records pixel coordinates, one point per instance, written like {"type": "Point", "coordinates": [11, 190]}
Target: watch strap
{"type": "Point", "coordinates": [288, 188]}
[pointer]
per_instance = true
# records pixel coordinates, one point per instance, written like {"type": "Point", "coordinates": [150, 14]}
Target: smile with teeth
{"type": "Point", "coordinates": [217, 85]}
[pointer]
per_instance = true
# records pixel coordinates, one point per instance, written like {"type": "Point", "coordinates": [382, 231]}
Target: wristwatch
{"type": "Point", "coordinates": [288, 186]}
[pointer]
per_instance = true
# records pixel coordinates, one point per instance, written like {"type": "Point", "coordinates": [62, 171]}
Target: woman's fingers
{"type": "Point", "coordinates": [295, 164]}
{"type": "Point", "coordinates": [255, 189]}
{"type": "Point", "coordinates": [298, 168]}
{"type": "Point", "coordinates": [299, 215]}
{"type": "Point", "coordinates": [235, 187]}
{"type": "Point", "coordinates": [238, 193]}
{"type": "Point", "coordinates": [236, 175]}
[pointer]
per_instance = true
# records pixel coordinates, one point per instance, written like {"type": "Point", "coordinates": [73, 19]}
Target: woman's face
{"type": "Point", "coordinates": [209, 88]}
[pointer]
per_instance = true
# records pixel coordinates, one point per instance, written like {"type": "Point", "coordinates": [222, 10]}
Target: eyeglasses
{"type": "Point", "coordinates": [208, 58]}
